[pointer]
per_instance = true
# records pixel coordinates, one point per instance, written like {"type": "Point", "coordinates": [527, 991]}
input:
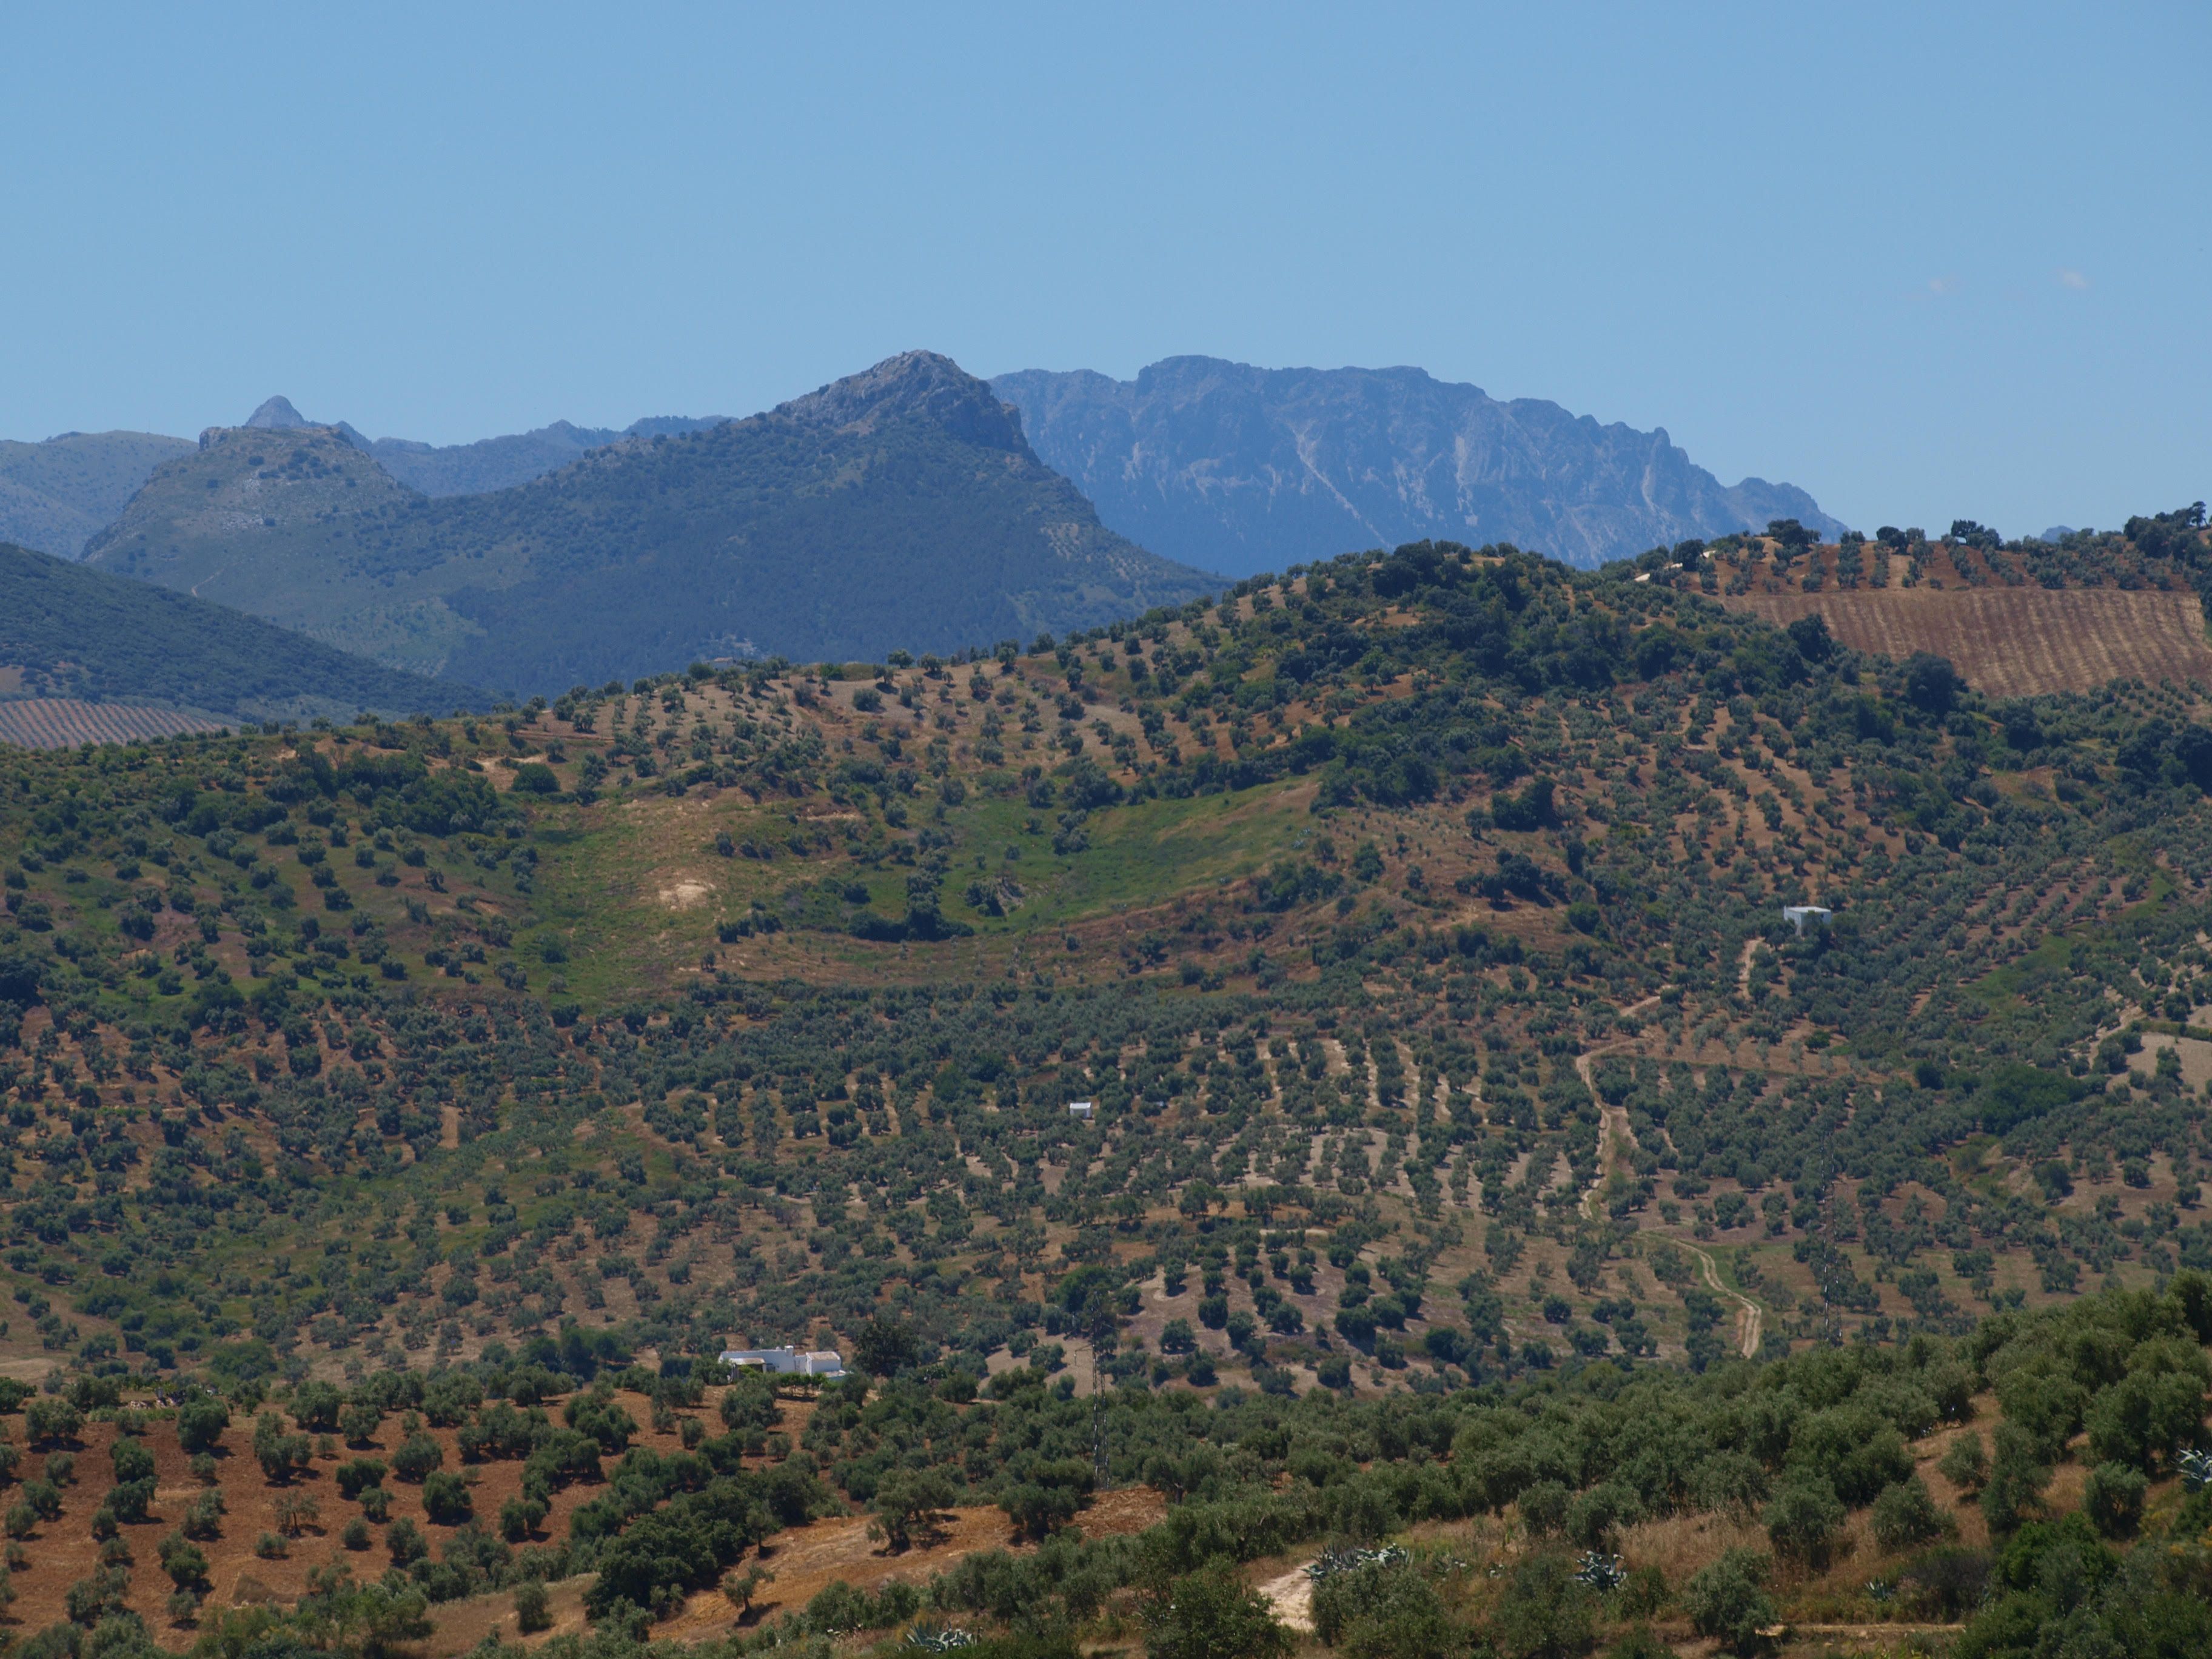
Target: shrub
{"type": "Point", "coordinates": [1905, 1515]}
{"type": "Point", "coordinates": [2113, 1499]}
{"type": "Point", "coordinates": [418, 1454]}
{"type": "Point", "coordinates": [1728, 1602]}
{"type": "Point", "coordinates": [200, 1423]}
{"type": "Point", "coordinates": [354, 1476]}
{"type": "Point", "coordinates": [50, 1420]}
{"type": "Point", "coordinates": [445, 1499]}
{"type": "Point", "coordinates": [1965, 1463]}
{"type": "Point", "coordinates": [1545, 1613]}
{"type": "Point", "coordinates": [533, 1608]}
{"type": "Point", "coordinates": [1383, 1611]}
{"type": "Point", "coordinates": [132, 1461]}
{"type": "Point", "coordinates": [1802, 1520]}
{"type": "Point", "coordinates": [406, 1542]}
{"type": "Point", "coordinates": [1211, 1614]}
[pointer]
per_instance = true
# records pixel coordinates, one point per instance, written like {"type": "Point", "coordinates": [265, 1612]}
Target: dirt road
{"type": "Point", "coordinates": [1614, 1132]}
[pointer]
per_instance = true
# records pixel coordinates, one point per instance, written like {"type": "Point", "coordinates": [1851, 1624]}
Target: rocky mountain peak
{"type": "Point", "coordinates": [277, 414]}
{"type": "Point", "coordinates": [922, 385]}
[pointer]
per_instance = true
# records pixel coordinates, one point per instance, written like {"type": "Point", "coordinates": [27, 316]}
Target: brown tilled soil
{"type": "Point", "coordinates": [805, 1559]}
{"type": "Point", "coordinates": [2015, 642]}
{"type": "Point", "coordinates": [64, 1551]}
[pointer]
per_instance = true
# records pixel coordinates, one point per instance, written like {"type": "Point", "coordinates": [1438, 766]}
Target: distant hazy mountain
{"type": "Point", "coordinates": [56, 495]}
{"type": "Point", "coordinates": [493, 464]}
{"type": "Point", "coordinates": [73, 630]}
{"type": "Point", "coordinates": [489, 463]}
{"type": "Point", "coordinates": [1243, 470]}
{"type": "Point", "coordinates": [901, 506]}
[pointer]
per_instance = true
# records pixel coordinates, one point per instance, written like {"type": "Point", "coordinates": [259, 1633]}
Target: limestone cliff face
{"type": "Point", "coordinates": [1239, 469]}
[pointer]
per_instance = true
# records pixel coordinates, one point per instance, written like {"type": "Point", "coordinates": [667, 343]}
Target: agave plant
{"type": "Point", "coordinates": [938, 1638]}
{"type": "Point", "coordinates": [1601, 1572]}
{"type": "Point", "coordinates": [1339, 1559]}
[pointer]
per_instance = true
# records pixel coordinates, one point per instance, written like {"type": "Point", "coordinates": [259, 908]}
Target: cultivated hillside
{"type": "Point", "coordinates": [898, 508]}
{"type": "Point", "coordinates": [55, 496]}
{"type": "Point", "coordinates": [73, 633]}
{"type": "Point", "coordinates": [1480, 1166]}
{"type": "Point", "coordinates": [1233, 468]}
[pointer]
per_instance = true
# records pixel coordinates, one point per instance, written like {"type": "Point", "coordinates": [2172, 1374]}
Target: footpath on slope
{"type": "Point", "coordinates": [1613, 1132]}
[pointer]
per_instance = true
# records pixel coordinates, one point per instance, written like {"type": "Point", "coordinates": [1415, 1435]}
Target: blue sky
{"type": "Point", "coordinates": [1926, 261]}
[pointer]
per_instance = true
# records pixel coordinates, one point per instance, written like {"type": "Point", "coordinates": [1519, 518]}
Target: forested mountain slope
{"type": "Point", "coordinates": [1478, 1161]}
{"type": "Point", "coordinates": [70, 632]}
{"type": "Point", "coordinates": [900, 508]}
{"type": "Point", "coordinates": [1234, 468]}
{"type": "Point", "coordinates": [56, 495]}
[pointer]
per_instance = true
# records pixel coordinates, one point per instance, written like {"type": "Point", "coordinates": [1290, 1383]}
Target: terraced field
{"type": "Point", "coordinates": [2015, 642]}
{"type": "Point", "coordinates": [65, 722]}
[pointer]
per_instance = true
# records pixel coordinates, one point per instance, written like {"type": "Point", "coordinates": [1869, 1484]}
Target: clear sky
{"type": "Point", "coordinates": [1927, 261]}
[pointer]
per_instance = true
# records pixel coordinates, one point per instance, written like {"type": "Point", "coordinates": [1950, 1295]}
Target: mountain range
{"type": "Point", "coordinates": [1216, 465]}
{"type": "Point", "coordinates": [901, 506]}
{"type": "Point", "coordinates": [1246, 470]}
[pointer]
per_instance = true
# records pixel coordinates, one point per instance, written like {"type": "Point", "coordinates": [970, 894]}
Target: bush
{"type": "Point", "coordinates": [50, 1420]}
{"type": "Point", "coordinates": [132, 1461]}
{"type": "Point", "coordinates": [1546, 1611]}
{"type": "Point", "coordinates": [1728, 1602]}
{"type": "Point", "coordinates": [418, 1454]}
{"type": "Point", "coordinates": [357, 1475]}
{"type": "Point", "coordinates": [1802, 1520]}
{"type": "Point", "coordinates": [406, 1542]}
{"type": "Point", "coordinates": [1964, 1463]}
{"type": "Point", "coordinates": [1382, 1610]}
{"type": "Point", "coordinates": [1905, 1515]}
{"type": "Point", "coordinates": [445, 1499]}
{"type": "Point", "coordinates": [533, 1608]}
{"type": "Point", "coordinates": [2113, 1499]}
{"type": "Point", "coordinates": [186, 1563]}
{"type": "Point", "coordinates": [1211, 1614]}
{"type": "Point", "coordinates": [200, 1423]}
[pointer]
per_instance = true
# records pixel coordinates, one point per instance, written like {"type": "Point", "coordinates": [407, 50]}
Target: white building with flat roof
{"type": "Point", "coordinates": [823, 1363]}
{"type": "Point", "coordinates": [1798, 914]}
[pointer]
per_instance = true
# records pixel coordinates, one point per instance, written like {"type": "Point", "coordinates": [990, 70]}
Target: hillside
{"type": "Point", "coordinates": [1233, 468]}
{"type": "Point", "coordinates": [56, 495]}
{"type": "Point", "coordinates": [2016, 618]}
{"type": "Point", "coordinates": [73, 633]}
{"type": "Point", "coordinates": [900, 508]}
{"type": "Point", "coordinates": [1478, 1161]}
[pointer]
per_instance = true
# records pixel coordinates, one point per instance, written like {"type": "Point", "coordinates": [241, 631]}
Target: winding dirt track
{"type": "Point", "coordinates": [1614, 1132]}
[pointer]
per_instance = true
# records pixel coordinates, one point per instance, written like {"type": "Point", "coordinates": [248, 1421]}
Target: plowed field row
{"type": "Point", "coordinates": [65, 722]}
{"type": "Point", "coordinates": [2015, 642]}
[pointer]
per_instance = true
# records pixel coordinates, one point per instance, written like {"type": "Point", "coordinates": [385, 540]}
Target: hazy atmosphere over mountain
{"type": "Point", "coordinates": [1244, 469]}
{"type": "Point", "coordinates": [900, 506]}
